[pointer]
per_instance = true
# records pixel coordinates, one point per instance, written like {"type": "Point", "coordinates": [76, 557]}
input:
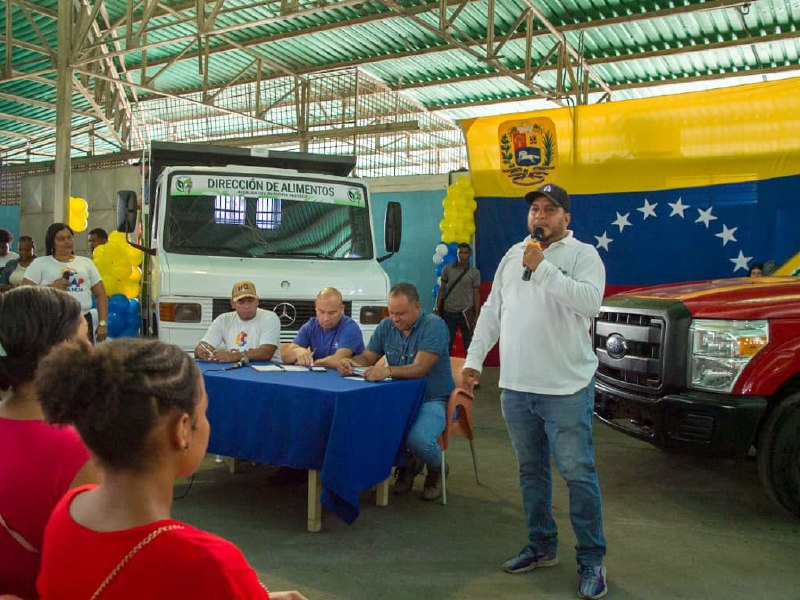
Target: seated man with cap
{"type": "Point", "coordinates": [327, 338]}
{"type": "Point", "coordinates": [247, 331]}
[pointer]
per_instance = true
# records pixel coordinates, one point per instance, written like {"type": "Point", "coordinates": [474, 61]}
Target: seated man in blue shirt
{"type": "Point", "coordinates": [327, 338]}
{"type": "Point", "coordinates": [416, 346]}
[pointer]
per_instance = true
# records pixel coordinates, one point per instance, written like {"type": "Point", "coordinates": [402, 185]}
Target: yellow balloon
{"type": "Point", "coordinates": [136, 273]}
{"type": "Point", "coordinates": [103, 264]}
{"type": "Point", "coordinates": [120, 270]}
{"type": "Point", "coordinates": [448, 237]}
{"type": "Point", "coordinates": [134, 255]}
{"type": "Point", "coordinates": [443, 225]}
{"type": "Point", "coordinates": [117, 238]}
{"type": "Point", "coordinates": [112, 285]}
{"type": "Point", "coordinates": [130, 288]}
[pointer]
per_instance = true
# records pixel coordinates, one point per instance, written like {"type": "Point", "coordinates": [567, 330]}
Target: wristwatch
{"type": "Point", "coordinates": [102, 323]}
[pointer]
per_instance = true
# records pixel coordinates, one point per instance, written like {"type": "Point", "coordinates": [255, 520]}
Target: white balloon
{"type": "Point", "coordinates": [441, 250]}
{"type": "Point", "coordinates": [437, 259]}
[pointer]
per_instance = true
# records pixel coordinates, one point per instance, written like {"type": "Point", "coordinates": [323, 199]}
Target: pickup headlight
{"type": "Point", "coordinates": [720, 350]}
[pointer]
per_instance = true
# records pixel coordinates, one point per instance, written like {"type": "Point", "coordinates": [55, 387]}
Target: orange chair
{"type": "Point", "coordinates": [459, 421]}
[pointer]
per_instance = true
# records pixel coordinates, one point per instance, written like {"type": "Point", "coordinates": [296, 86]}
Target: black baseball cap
{"type": "Point", "coordinates": [557, 195]}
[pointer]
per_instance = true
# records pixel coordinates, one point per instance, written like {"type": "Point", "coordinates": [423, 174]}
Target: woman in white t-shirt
{"type": "Point", "coordinates": [76, 275]}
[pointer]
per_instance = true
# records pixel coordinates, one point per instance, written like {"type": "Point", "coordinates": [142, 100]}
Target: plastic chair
{"type": "Point", "coordinates": [459, 421]}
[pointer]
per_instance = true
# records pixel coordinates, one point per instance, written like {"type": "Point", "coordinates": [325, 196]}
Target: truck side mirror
{"type": "Point", "coordinates": [126, 211]}
{"type": "Point", "coordinates": [393, 227]}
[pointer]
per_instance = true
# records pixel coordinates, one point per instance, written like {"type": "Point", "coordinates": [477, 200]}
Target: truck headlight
{"type": "Point", "coordinates": [720, 350]}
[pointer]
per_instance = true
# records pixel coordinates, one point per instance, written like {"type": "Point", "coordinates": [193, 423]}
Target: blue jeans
{"type": "Point", "coordinates": [422, 439]}
{"type": "Point", "coordinates": [538, 424]}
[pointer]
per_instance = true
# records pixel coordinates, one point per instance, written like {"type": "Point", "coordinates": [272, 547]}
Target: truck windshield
{"type": "Point", "coordinates": [225, 214]}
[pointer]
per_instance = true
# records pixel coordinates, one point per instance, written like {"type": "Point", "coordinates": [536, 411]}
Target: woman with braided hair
{"type": "Point", "coordinates": [140, 406]}
{"type": "Point", "coordinates": [38, 462]}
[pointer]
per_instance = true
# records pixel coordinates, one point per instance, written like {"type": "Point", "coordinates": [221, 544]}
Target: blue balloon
{"type": "Point", "coordinates": [435, 291]}
{"type": "Point", "coordinates": [449, 260]}
{"type": "Point", "coordinates": [134, 306]}
{"type": "Point", "coordinates": [439, 268]}
{"type": "Point", "coordinates": [452, 248]}
{"type": "Point", "coordinates": [118, 303]}
{"type": "Point", "coordinates": [116, 323]}
{"type": "Point", "coordinates": [130, 332]}
{"type": "Point", "coordinates": [132, 321]}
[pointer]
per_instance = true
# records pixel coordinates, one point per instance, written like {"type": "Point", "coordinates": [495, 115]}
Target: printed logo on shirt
{"type": "Point", "coordinates": [75, 282]}
{"type": "Point", "coordinates": [241, 339]}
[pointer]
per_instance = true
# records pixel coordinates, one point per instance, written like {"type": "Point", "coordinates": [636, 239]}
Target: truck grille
{"type": "Point", "coordinates": [629, 347]}
{"type": "Point", "coordinates": [292, 313]}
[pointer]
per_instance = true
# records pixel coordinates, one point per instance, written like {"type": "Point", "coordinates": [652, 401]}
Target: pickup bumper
{"type": "Point", "coordinates": [699, 422]}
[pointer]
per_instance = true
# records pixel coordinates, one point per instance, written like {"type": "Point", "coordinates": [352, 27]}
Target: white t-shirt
{"type": "Point", "coordinates": [229, 330]}
{"type": "Point", "coordinates": [9, 256]}
{"type": "Point", "coordinates": [542, 324]}
{"type": "Point", "coordinates": [82, 273]}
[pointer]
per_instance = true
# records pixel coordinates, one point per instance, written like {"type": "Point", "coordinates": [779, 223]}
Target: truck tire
{"type": "Point", "coordinates": [779, 455]}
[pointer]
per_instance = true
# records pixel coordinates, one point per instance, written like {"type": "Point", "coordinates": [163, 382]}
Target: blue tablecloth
{"type": "Point", "coordinates": [351, 431]}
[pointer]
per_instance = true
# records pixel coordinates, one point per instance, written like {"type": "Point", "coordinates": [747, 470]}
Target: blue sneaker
{"type": "Point", "coordinates": [528, 559]}
{"type": "Point", "coordinates": [592, 583]}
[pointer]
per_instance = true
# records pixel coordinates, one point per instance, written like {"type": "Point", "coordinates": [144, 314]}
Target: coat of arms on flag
{"type": "Point", "coordinates": [528, 150]}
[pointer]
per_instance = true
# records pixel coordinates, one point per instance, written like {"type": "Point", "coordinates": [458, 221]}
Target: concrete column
{"type": "Point", "coordinates": [63, 113]}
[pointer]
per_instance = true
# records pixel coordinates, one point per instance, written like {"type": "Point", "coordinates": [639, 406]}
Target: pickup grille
{"type": "Point", "coordinates": [634, 355]}
{"type": "Point", "coordinates": [303, 311]}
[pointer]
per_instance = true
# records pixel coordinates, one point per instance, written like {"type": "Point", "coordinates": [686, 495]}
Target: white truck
{"type": "Point", "coordinates": [292, 223]}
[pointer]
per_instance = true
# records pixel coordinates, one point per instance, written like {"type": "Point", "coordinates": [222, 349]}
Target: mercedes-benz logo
{"type": "Point", "coordinates": [286, 312]}
{"type": "Point", "coordinates": [616, 346]}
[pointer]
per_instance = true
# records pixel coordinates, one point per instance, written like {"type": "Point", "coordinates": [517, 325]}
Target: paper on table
{"type": "Point", "coordinates": [275, 368]}
{"type": "Point", "coordinates": [267, 368]}
{"type": "Point", "coordinates": [355, 377]}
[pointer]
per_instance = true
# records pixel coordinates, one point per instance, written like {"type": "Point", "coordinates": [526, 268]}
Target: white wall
{"type": "Point", "coordinates": [98, 186]}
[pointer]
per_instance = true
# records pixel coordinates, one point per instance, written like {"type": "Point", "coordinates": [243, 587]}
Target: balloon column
{"type": "Point", "coordinates": [78, 211]}
{"type": "Point", "coordinates": [118, 263]}
{"type": "Point", "coordinates": [457, 226]}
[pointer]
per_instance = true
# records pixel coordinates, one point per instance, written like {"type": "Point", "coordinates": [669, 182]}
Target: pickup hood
{"type": "Point", "coordinates": [214, 276]}
{"type": "Point", "coordinates": [739, 298]}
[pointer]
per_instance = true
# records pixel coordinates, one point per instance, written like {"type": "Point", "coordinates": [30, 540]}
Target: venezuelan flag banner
{"type": "Point", "coordinates": [676, 188]}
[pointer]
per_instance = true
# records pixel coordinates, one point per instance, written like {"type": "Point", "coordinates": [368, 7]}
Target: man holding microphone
{"type": "Point", "coordinates": [543, 297]}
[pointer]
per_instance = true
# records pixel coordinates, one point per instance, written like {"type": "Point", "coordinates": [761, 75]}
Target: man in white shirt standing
{"type": "Point", "coordinates": [540, 307]}
{"type": "Point", "coordinates": [246, 331]}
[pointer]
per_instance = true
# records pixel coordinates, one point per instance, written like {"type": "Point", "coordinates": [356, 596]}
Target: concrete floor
{"type": "Point", "coordinates": [677, 527]}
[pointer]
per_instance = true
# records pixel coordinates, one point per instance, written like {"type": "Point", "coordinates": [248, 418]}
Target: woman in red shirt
{"type": "Point", "coordinates": [38, 462]}
{"type": "Point", "coordinates": [140, 406]}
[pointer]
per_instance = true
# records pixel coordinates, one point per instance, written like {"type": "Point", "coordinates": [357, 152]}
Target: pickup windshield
{"type": "Point", "coordinates": [266, 216]}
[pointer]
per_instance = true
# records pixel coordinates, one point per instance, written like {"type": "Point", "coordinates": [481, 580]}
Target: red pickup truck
{"type": "Point", "coordinates": [711, 367]}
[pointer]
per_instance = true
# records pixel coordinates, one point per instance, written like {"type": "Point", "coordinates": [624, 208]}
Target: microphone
{"type": "Point", "coordinates": [536, 236]}
{"type": "Point", "coordinates": [242, 362]}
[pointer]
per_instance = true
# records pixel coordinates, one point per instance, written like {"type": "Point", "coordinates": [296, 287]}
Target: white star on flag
{"type": "Point", "coordinates": [726, 234]}
{"type": "Point", "coordinates": [678, 208]}
{"type": "Point", "coordinates": [705, 216]}
{"type": "Point", "coordinates": [603, 241]}
{"type": "Point", "coordinates": [648, 210]}
{"type": "Point", "coordinates": [622, 221]}
{"type": "Point", "coordinates": [740, 262]}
